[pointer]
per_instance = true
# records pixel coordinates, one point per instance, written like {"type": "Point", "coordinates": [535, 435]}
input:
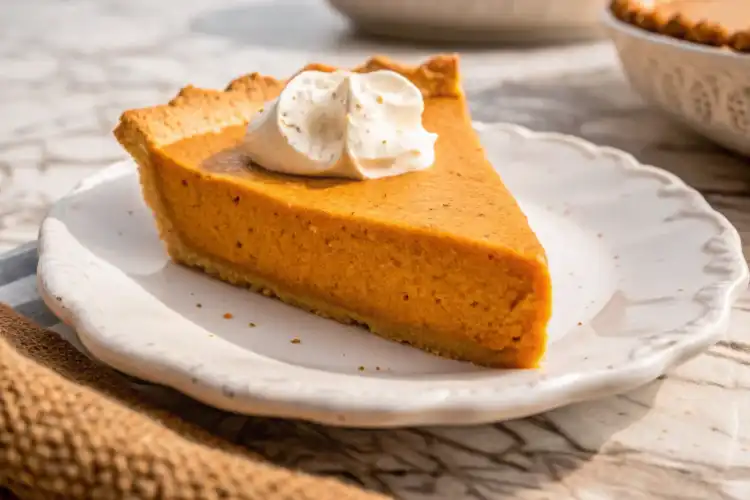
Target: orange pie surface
{"type": "Point", "coordinates": [442, 259]}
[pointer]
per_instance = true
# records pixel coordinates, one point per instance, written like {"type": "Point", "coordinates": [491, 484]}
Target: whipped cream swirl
{"type": "Point", "coordinates": [342, 124]}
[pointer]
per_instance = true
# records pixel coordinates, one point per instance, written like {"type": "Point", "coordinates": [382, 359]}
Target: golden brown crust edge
{"type": "Point", "coordinates": [197, 111]}
{"type": "Point", "coordinates": [701, 31]}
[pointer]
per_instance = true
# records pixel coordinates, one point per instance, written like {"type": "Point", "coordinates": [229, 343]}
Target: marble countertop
{"type": "Point", "coordinates": [69, 68]}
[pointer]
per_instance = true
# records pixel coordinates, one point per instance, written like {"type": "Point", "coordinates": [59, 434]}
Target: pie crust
{"type": "Point", "coordinates": [716, 23]}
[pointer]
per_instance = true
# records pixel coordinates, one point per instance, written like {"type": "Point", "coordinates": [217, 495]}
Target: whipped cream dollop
{"type": "Point", "coordinates": [342, 124]}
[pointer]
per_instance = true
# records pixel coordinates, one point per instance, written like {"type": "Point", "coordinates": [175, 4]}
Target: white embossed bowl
{"type": "Point", "coordinates": [706, 88]}
{"type": "Point", "coordinates": [476, 20]}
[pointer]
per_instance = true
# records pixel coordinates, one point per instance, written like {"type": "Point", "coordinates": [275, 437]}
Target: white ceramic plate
{"type": "Point", "coordinates": [706, 88]}
{"type": "Point", "coordinates": [515, 21]}
{"type": "Point", "coordinates": [644, 275]}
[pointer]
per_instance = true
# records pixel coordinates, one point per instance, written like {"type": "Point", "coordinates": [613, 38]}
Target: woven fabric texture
{"type": "Point", "coordinates": [71, 428]}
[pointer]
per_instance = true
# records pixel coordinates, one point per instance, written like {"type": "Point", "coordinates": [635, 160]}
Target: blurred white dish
{"type": "Point", "coordinates": [519, 21]}
{"type": "Point", "coordinates": [707, 88]}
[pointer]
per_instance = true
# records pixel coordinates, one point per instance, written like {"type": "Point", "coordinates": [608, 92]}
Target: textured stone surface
{"type": "Point", "coordinates": [67, 70]}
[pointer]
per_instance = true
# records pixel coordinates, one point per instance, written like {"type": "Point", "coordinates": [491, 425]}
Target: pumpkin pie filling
{"type": "Point", "coordinates": [442, 259]}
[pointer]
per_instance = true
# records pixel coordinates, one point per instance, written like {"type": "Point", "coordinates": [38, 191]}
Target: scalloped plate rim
{"type": "Point", "coordinates": [451, 407]}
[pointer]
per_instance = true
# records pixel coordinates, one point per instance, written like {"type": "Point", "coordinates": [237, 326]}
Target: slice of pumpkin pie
{"type": "Point", "coordinates": [362, 196]}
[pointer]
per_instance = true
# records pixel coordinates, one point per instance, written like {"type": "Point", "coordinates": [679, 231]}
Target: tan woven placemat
{"type": "Point", "coordinates": [70, 428]}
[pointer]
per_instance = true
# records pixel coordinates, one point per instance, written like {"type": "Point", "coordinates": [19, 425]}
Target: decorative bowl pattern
{"type": "Point", "coordinates": [704, 87]}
